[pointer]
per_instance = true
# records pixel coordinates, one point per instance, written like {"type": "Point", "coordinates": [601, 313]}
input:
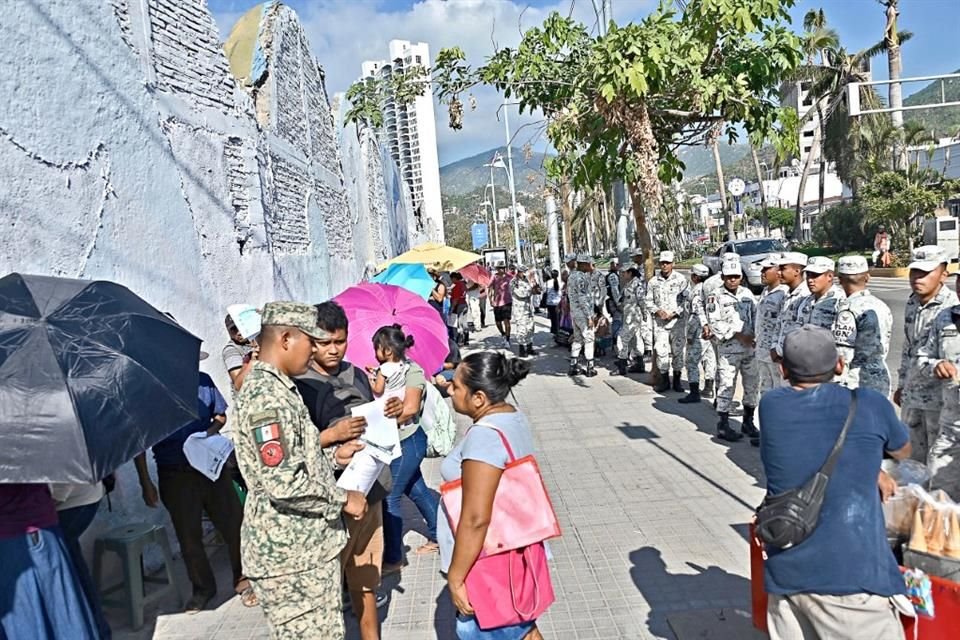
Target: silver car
{"type": "Point", "coordinates": [751, 252]}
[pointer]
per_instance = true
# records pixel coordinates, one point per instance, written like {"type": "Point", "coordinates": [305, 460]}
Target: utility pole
{"type": "Point", "coordinates": [493, 199]}
{"type": "Point", "coordinates": [553, 231]}
{"type": "Point", "coordinates": [513, 193]}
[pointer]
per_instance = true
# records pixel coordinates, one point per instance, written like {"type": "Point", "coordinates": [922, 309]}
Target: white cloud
{"type": "Point", "coordinates": [344, 34]}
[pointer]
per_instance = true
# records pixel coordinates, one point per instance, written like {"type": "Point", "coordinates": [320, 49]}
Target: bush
{"type": "Point", "coordinates": [841, 229]}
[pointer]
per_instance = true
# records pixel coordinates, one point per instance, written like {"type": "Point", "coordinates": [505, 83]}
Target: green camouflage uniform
{"type": "Point", "coordinates": [292, 531]}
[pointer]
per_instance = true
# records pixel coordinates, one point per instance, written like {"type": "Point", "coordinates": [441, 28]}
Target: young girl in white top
{"type": "Point", "coordinates": [390, 347]}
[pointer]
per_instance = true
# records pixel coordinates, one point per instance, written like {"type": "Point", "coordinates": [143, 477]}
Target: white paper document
{"type": "Point", "coordinates": [247, 319]}
{"type": "Point", "coordinates": [207, 454]}
{"type": "Point", "coordinates": [361, 473]}
{"type": "Point", "coordinates": [382, 439]}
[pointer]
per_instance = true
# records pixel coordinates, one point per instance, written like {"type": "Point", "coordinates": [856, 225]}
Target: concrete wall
{"type": "Point", "coordinates": [131, 154]}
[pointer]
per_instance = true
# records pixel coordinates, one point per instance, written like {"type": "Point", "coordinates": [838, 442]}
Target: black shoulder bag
{"type": "Point", "coordinates": [790, 517]}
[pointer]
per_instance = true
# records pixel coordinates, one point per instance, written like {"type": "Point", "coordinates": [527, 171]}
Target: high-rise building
{"type": "Point", "coordinates": [410, 132]}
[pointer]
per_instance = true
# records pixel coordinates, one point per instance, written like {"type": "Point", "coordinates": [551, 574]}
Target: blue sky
{"type": "Point", "coordinates": [344, 33]}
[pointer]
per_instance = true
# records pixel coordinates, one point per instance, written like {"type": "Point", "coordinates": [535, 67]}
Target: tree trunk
{"type": "Point", "coordinates": [821, 126]}
{"type": "Point", "coordinates": [802, 189]}
{"type": "Point", "coordinates": [894, 66]}
{"type": "Point", "coordinates": [645, 242]}
{"type": "Point", "coordinates": [727, 218]}
{"type": "Point", "coordinates": [763, 191]}
{"type": "Point", "coordinates": [646, 193]}
{"type": "Point", "coordinates": [566, 209]}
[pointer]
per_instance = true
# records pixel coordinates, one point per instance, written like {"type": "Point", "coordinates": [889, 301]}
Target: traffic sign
{"type": "Point", "coordinates": [480, 234]}
{"type": "Point", "coordinates": [736, 187]}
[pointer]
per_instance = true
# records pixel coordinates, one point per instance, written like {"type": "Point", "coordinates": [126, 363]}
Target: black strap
{"type": "Point", "coordinates": [831, 462]}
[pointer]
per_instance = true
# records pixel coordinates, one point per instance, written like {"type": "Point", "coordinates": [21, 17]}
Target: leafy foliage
{"type": "Point", "coordinates": [901, 199]}
{"type": "Point", "coordinates": [842, 229]}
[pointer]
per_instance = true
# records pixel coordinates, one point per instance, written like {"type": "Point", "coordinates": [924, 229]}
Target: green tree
{"type": "Point", "coordinates": [619, 105]}
{"type": "Point", "coordinates": [902, 199]}
{"type": "Point", "coordinates": [842, 228]}
{"type": "Point", "coordinates": [780, 218]}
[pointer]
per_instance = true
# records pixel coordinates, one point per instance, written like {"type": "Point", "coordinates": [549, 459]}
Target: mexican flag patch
{"type": "Point", "coordinates": [267, 432]}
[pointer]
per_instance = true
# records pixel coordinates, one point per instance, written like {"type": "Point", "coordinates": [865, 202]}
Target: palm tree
{"type": "Point", "coordinates": [727, 218]}
{"type": "Point", "coordinates": [892, 41]}
{"type": "Point", "coordinates": [763, 191]}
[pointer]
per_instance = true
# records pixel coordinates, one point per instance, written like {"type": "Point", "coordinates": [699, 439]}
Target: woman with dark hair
{"type": "Point", "coordinates": [554, 293]}
{"type": "Point", "coordinates": [407, 478]}
{"type": "Point", "coordinates": [479, 391]}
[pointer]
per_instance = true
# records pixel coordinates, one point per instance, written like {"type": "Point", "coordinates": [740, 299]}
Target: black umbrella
{"type": "Point", "coordinates": [90, 375]}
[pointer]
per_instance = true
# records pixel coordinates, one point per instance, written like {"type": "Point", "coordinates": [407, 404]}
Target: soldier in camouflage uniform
{"type": "Point", "coordinates": [581, 292]}
{"type": "Point", "coordinates": [820, 307]}
{"type": "Point", "coordinates": [699, 351]}
{"type": "Point", "coordinates": [791, 274]}
{"type": "Point", "coordinates": [646, 321]}
{"type": "Point", "coordinates": [521, 319]}
{"type": "Point", "coordinates": [766, 328]}
{"type": "Point", "coordinates": [629, 340]}
{"type": "Point", "coordinates": [919, 396]}
{"type": "Point", "coordinates": [731, 310]}
{"type": "Point", "coordinates": [665, 299]}
{"type": "Point", "coordinates": [292, 531]}
{"type": "Point", "coordinates": [710, 286]}
{"type": "Point", "coordinates": [862, 330]}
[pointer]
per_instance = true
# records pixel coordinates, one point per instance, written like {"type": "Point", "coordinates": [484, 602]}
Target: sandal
{"type": "Point", "coordinates": [248, 597]}
{"type": "Point", "coordinates": [429, 547]}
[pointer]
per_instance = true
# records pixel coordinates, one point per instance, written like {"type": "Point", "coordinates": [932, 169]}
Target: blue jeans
{"type": "Point", "coordinates": [40, 596]}
{"type": "Point", "coordinates": [408, 481]}
{"type": "Point", "coordinates": [74, 522]}
{"type": "Point", "coordinates": [468, 629]}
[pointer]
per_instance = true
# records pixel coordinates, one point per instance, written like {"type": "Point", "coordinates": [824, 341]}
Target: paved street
{"type": "Point", "coordinates": [654, 514]}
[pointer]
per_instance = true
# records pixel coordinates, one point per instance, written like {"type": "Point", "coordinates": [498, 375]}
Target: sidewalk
{"type": "Point", "coordinates": [653, 511]}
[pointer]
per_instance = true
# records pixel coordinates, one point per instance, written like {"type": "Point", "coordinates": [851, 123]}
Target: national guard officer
{"type": "Point", "coordinates": [939, 358]}
{"type": "Point", "coordinates": [646, 320]}
{"type": "Point", "coordinates": [792, 264]}
{"type": "Point", "coordinates": [521, 317]}
{"type": "Point", "coordinates": [699, 351]}
{"type": "Point", "coordinates": [917, 395]}
{"type": "Point", "coordinates": [766, 329]}
{"type": "Point", "coordinates": [731, 311]}
{"type": "Point", "coordinates": [862, 330]}
{"type": "Point", "coordinates": [664, 299]}
{"type": "Point", "coordinates": [820, 307]}
{"type": "Point", "coordinates": [710, 286]}
{"type": "Point", "coordinates": [630, 338]}
{"type": "Point", "coordinates": [581, 292]}
{"type": "Point", "coordinates": [292, 531]}
{"type": "Point", "coordinates": [613, 304]}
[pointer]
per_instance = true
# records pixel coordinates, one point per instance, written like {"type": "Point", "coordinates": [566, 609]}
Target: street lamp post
{"type": "Point", "coordinates": [497, 163]}
{"type": "Point", "coordinates": [513, 192]}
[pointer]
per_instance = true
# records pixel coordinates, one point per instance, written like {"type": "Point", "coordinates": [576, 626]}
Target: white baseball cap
{"type": "Point", "coordinates": [700, 270]}
{"type": "Point", "coordinates": [793, 257]}
{"type": "Point", "coordinates": [928, 257]}
{"type": "Point", "coordinates": [636, 252]}
{"type": "Point", "coordinates": [852, 265]}
{"type": "Point", "coordinates": [820, 264]}
{"type": "Point", "coordinates": [666, 256]}
{"type": "Point", "coordinates": [772, 260]}
{"type": "Point", "coordinates": [731, 269]}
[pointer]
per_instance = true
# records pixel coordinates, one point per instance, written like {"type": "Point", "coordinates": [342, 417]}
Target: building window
{"type": "Point", "coordinates": [419, 60]}
{"type": "Point", "coordinates": [808, 134]}
{"type": "Point", "coordinates": [806, 149]}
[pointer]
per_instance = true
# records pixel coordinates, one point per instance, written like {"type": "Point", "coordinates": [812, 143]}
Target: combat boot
{"type": "Point", "coordinates": [638, 366]}
{"type": "Point", "coordinates": [724, 431]}
{"type": "Point", "coordinates": [591, 371]}
{"type": "Point", "coordinates": [693, 396]}
{"type": "Point", "coordinates": [621, 367]}
{"type": "Point", "coordinates": [707, 388]}
{"type": "Point", "coordinates": [530, 350]}
{"type": "Point", "coordinates": [664, 383]}
{"type": "Point", "coordinates": [575, 369]}
{"type": "Point", "coordinates": [748, 428]}
{"type": "Point", "coordinates": [677, 385]}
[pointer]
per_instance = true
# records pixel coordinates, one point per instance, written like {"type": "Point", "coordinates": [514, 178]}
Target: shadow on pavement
{"type": "Point", "coordinates": [444, 617]}
{"type": "Point", "coordinates": [705, 419]}
{"type": "Point", "coordinates": [669, 593]}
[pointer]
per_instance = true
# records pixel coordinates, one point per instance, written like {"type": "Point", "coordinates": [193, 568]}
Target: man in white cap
{"type": "Point", "coordinates": [630, 338]}
{"type": "Point", "coordinates": [731, 311]}
{"type": "Point", "coordinates": [581, 292]}
{"type": "Point", "coordinates": [766, 328]}
{"type": "Point", "coordinates": [664, 299]}
{"type": "Point", "coordinates": [613, 301]}
{"type": "Point", "coordinates": [522, 287]}
{"type": "Point", "coordinates": [791, 264]}
{"type": "Point", "coordinates": [862, 330]}
{"type": "Point", "coordinates": [920, 397]}
{"type": "Point", "coordinates": [710, 286]}
{"type": "Point", "coordinates": [699, 351]}
{"type": "Point", "coordinates": [820, 307]}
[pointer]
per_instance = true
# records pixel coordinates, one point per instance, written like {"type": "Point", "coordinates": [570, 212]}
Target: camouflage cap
{"type": "Point", "coordinates": [820, 265]}
{"type": "Point", "coordinates": [928, 257]}
{"type": "Point", "coordinates": [292, 314]}
{"type": "Point", "coordinates": [700, 270]}
{"type": "Point", "coordinates": [852, 265]}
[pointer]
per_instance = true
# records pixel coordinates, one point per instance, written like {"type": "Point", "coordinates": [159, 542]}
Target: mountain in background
{"type": "Point", "coordinates": [943, 121]}
{"type": "Point", "coordinates": [699, 160]}
{"type": "Point", "coordinates": [469, 174]}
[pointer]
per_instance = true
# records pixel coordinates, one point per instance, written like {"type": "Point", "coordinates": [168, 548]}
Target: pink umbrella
{"type": "Point", "coordinates": [371, 306]}
{"type": "Point", "coordinates": [477, 273]}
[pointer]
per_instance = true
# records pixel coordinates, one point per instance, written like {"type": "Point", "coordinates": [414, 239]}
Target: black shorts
{"type": "Point", "coordinates": [503, 313]}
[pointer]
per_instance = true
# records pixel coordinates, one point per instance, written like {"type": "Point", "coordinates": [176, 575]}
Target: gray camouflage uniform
{"type": "Point", "coordinates": [730, 313]}
{"type": "Point", "coordinates": [921, 396]}
{"type": "Point", "coordinates": [699, 351]}
{"type": "Point", "coordinates": [862, 332]}
{"type": "Point", "coordinates": [943, 343]}
{"type": "Point", "coordinates": [790, 314]}
{"type": "Point", "coordinates": [669, 336]}
{"type": "Point", "coordinates": [766, 330]}
{"type": "Point", "coordinates": [821, 312]}
{"type": "Point", "coordinates": [630, 338]}
{"type": "Point", "coordinates": [582, 296]}
{"type": "Point", "coordinates": [521, 315]}
{"type": "Point", "coordinates": [292, 531]}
